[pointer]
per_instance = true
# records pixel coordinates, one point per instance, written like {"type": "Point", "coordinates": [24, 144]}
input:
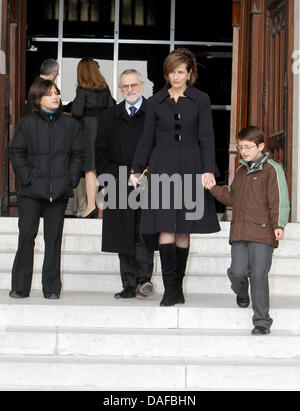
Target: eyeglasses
{"type": "Point", "coordinates": [126, 87]}
{"type": "Point", "coordinates": [245, 148]}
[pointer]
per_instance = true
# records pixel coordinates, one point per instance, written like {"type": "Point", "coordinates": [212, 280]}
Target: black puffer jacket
{"type": "Point", "coordinates": [46, 156]}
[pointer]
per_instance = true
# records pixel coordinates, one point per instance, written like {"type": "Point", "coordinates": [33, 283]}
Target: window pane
{"type": "Point", "coordinates": [145, 19]}
{"type": "Point", "coordinates": [72, 54]}
{"type": "Point", "coordinates": [148, 59]}
{"type": "Point", "coordinates": [89, 18]}
{"type": "Point", "coordinates": [214, 72]}
{"type": "Point", "coordinates": [46, 24]}
{"type": "Point", "coordinates": [211, 22]}
{"type": "Point", "coordinates": [34, 60]}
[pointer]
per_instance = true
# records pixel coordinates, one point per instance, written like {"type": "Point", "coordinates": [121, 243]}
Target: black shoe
{"type": "Point", "coordinates": [145, 289]}
{"type": "Point", "coordinates": [127, 292]}
{"type": "Point", "coordinates": [260, 330]}
{"type": "Point", "coordinates": [243, 302]}
{"type": "Point", "coordinates": [92, 214]}
{"type": "Point", "coordinates": [17, 294]}
{"type": "Point", "coordinates": [52, 296]}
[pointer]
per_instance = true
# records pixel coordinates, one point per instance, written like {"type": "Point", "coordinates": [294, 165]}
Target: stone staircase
{"type": "Point", "coordinates": [89, 341]}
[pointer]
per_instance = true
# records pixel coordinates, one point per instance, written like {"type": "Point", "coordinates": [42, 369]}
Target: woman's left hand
{"type": "Point", "coordinates": [208, 180]}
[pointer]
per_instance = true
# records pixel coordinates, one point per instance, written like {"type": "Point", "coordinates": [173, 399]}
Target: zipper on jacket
{"type": "Point", "coordinates": [51, 157]}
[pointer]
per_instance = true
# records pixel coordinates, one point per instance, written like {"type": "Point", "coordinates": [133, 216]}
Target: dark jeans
{"type": "Point", "coordinates": [253, 260]}
{"type": "Point", "coordinates": [30, 211]}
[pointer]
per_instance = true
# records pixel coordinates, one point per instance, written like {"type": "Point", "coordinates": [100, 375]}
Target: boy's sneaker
{"type": "Point", "coordinates": [260, 330]}
{"type": "Point", "coordinates": [145, 289]}
{"type": "Point", "coordinates": [243, 302]}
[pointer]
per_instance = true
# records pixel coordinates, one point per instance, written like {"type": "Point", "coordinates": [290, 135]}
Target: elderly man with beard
{"type": "Point", "coordinates": [120, 128]}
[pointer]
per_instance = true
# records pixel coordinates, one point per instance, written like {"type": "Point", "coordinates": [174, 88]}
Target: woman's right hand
{"type": "Point", "coordinates": [134, 181]}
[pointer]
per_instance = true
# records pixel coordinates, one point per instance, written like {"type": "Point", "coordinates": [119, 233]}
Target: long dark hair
{"type": "Point", "coordinates": [38, 89]}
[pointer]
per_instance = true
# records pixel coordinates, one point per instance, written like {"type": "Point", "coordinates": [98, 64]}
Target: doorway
{"type": "Point", "coordinates": [122, 33]}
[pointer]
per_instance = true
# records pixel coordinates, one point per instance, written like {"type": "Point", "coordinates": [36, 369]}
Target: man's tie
{"type": "Point", "coordinates": [132, 110]}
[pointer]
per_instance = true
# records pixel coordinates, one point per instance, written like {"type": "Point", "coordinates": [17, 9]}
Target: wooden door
{"type": "Point", "coordinates": [13, 94]}
{"type": "Point", "coordinates": [278, 81]}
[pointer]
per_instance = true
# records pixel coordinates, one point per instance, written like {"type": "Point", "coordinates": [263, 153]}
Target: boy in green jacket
{"type": "Point", "coordinates": [260, 201]}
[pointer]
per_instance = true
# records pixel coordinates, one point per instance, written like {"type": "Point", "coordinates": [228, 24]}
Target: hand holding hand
{"type": "Point", "coordinates": [134, 181]}
{"type": "Point", "coordinates": [208, 180]}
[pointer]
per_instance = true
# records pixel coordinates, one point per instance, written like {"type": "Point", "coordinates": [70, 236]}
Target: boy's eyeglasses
{"type": "Point", "coordinates": [245, 148]}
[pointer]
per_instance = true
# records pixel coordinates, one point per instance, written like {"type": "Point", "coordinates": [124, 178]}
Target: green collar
{"type": "Point", "coordinates": [258, 166]}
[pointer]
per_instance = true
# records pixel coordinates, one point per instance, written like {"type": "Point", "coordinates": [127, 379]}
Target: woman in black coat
{"type": "Point", "coordinates": [92, 97]}
{"type": "Point", "coordinates": [178, 141]}
{"type": "Point", "coordinates": [46, 157]}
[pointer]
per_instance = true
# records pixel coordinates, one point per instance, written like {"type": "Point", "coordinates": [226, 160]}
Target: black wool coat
{"type": "Point", "coordinates": [45, 155]}
{"type": "Point", "coordinates": [86, 107]}
{"type": "Point", "coordinates": [178, 139]}
{"type": "Point", "coordinates": [116, 141]}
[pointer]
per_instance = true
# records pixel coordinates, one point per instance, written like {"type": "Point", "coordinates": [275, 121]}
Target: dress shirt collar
{"type": "Point", "coordinates": [137, 105]}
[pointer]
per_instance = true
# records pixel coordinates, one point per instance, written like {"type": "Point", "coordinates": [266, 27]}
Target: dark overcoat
{"type": "Point", "coordinates": [115, 145]}
{"type": "Point", "coordinates": [178, 139]}
{"type": "Point", "coordinates": [46, 156]}
{"type": "Point", "coordinates": [86, 107]}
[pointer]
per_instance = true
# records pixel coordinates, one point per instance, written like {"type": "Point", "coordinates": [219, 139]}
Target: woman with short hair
{"type": "Point", "coordinates": [178, 140]}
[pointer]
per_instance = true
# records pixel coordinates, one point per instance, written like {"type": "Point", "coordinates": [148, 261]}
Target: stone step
{"type": "Point", "coordinates": [148, 343]}
{"type": "Point", "coordinates": [85, 243]}
{"type": "Point", "coordinates": [288, 285]}
{"type": "Point", "coordinates": [105, 262]}
{"type": "Point", "coordinates": [108, 373]}
{"type": "Point", "coordinates": [98, 310]}
{"type": "Point", "coordinates": [92, 244]}
{"type": "Point", "coordinates": [94, 227]}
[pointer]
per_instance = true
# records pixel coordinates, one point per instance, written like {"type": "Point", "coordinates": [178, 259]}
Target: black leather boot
{"type": "Point", "coordinates": [168, 268]}
{"type": "Point", "coordinates": [182, 256]}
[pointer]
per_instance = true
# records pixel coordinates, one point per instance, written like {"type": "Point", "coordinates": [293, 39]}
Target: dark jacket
{"type": "Point", "coordinates": [91, 102]}
{"type": "Point", "coordinates": [260, 201]}
{"type": "Point", "coordinates": [46, 156]}
{"type": "Point", "coordinates": [178, 139]}
{"type": "Point", "coordinates": [116, 142]}
{"type": "Point", "coordinates": [87, 106]}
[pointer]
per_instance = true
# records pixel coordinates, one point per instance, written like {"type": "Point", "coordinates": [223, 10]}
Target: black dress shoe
{"type": "Point", "coordinates": [243, 302]}
{"type": "Point", "coordinates": [52, 296]}
{"type": "Point", "coordinates": [18, 294]}
{"type": "Point", "coordinates": [92, 214]}
{"type": "Point", "coordinates": [127, 292]}
{"type": "Point", "coordinates": [260, 330]}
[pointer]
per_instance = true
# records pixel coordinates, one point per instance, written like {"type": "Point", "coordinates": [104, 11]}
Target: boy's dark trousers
{"type": "Point", "coordinates": [253, 260]}
{"type": "Point", "coordinates": [30, 211]}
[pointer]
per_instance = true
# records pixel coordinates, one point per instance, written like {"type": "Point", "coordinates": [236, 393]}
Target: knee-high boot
{"type": "Point", "coordinates": [169, 273]}
{"type": "Point", "coordinates": [182, 256]}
